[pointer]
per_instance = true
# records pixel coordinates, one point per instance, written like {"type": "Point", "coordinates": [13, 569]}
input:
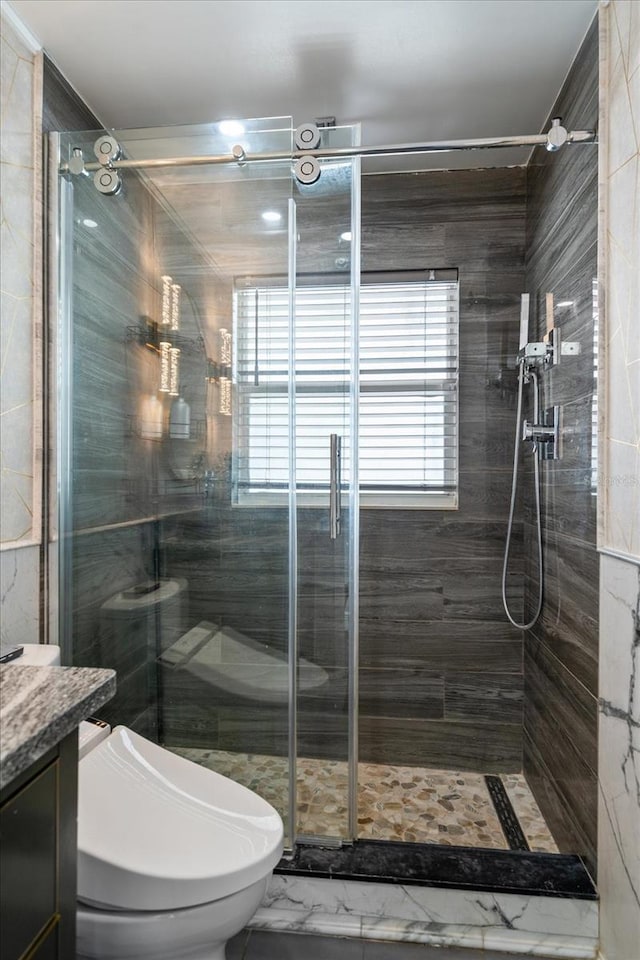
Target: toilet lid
{"type": "Point", "coordinates": [158, 832]}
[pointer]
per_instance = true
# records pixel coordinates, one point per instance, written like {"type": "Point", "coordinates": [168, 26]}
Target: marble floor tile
{"type": "Point", "coordinates": [394, 802]}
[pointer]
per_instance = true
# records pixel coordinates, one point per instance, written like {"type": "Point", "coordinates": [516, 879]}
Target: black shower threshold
{"type": "Point", "coordinates": [435, 865]}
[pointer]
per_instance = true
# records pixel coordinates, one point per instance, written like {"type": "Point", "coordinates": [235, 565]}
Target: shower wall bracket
{"type": "Point", "coordinates": [535, 354]}
{"type": "Point", "coordinates": [547, 352]}
{"type": "Point", "coordinates": [563, 348]}
{"type": "Point", "coordinates": [546, 435]}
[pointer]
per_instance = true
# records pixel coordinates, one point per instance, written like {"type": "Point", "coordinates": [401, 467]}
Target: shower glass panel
{"type": "Point", "coordinates": [326, 412]}
{"type": "Point", "coordinates": [176, 562]}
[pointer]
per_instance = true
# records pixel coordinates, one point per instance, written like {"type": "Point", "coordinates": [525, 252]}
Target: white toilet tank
{"type": "Point", "coordinates": [90, 732]}
{"type": "Point", "coordinates": [141, 621]}
{"type": "Point", "coordinates": [39, 655]}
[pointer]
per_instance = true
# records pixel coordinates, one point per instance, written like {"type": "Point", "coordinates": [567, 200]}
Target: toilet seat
{"type": "Point", "coordinates": [158, 832]}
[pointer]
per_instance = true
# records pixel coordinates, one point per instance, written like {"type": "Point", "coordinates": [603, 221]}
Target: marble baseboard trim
{"type": "Point", "coordinates": [620, 555]}
{"type": "Point", "coordinates": [19, 544]}
{"type": "Point", "coordinates": [359, 928]}
{"type": "Point", "coordinates": [533, 926]}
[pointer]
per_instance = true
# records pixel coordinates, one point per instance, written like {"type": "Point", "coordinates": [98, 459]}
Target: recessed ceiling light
{"type": "Point", "coordinates": [346, 236]}
{"type": "Point", "coordinates": [272, 216]}
{"type": "Point", "coordinates": [564, 303]}
{"type": "Point", "coordinates": [89, 223]}
{"type": "Point", "coordinates": [231, 128]}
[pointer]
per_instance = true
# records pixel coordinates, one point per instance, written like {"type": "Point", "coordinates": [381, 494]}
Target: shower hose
{"type": "Point", "coordinates": [514, 488]}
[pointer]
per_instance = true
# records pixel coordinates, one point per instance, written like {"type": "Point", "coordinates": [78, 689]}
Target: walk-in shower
{"type": "Point", "coordinates": [282, 471]}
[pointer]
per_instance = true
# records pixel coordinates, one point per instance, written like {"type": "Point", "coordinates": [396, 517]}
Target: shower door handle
{"type": "Point", "coordinates": [334, 485]}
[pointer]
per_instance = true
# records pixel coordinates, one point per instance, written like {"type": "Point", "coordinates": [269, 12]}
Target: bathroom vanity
{"type": "Point", "coordinates": [40, 710]}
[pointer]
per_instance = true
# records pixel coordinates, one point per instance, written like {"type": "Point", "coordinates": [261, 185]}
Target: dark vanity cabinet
{"type": "Point", "coordinates": [38, 835]}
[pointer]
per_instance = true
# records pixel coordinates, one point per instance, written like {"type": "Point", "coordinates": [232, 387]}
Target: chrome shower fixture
{"type": "Point", "coordinates": [546, 352]}
{"type": "Point", "coordinates": [557, 135]}
{"type": "Point", "coordinates": [536, 354]}
{"type": "Point", "coordinates": [307, 136]}
{"type": "Point", "coordinates": [107, 181]}
{"type": "Point", "coordinates": [545, 435]}
{"type": "Point", "coordinates": [307, 170]}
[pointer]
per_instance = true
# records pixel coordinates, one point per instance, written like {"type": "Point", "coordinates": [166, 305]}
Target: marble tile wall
{"type": "Point", "coordinates": [561, 651]}
{"type": "Point", "coordinates": [20, 333]}
{"type": "Point", "coordinates": [619, 485]}
{"type": "Point", "coordinates": [619, 763]}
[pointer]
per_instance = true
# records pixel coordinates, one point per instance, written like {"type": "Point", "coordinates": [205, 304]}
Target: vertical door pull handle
{"type": "Point", "coordinates": [334, 485]}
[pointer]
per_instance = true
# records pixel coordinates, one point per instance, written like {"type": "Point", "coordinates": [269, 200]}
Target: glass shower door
{"type": "Point", "coordinates": [175, 537]}
{"type": "Point", "coordinates": [208, 488]}
{"type": "Point", "coordinates": [324, 420]}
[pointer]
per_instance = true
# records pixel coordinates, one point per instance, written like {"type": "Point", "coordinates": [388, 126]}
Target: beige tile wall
{"type": "Point", "coordinates": [619, 489]}
{"type": "Point", "coordinates": [620, 183]}
{"type": "Point", "coordinates": [20, 333]}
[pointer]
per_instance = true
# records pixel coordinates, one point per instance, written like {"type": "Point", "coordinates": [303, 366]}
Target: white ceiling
{"type": "Point", "coordinates": [408, 70]}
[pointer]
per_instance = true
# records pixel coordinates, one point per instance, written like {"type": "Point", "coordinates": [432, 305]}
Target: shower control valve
{"type": "Point", "coordinates": [537, 432]}
{"type": "Point", "coordinates": [547, 436]}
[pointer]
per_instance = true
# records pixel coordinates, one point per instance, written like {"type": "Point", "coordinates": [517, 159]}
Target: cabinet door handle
{"type": "Point", "coordinates": [334, 485]}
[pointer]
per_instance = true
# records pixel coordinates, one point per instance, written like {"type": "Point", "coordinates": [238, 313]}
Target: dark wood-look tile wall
{"type": "Point", "coordinates": [62, 107]}
{"type": "Point", "coordinates": [441, 670]}
{"type": "Point", "coordinates": [430, 579]}
{"type": "Point", "coordinates": [102, 563]}
{"type": "Point", "coordinates": [118, 478]}
{"type": "Point", "coordinates": [561, 652]}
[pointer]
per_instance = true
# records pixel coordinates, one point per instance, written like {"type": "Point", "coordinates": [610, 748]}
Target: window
{"type": "Point", "coordinates": [408, 388]}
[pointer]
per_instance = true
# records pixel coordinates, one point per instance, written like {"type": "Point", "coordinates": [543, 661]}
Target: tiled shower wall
{"type": "Point", "coordinates": [561, 651]}
{"type": "Point", "coordinates": [105, 556]}
{"type": "Point", "coordinates": [120, 485]}
{"type": "Point", "coordinates": [441, 669]}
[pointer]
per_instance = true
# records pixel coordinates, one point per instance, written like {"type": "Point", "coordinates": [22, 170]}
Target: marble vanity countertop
{"type": "Point", "coordinates": [39, 706]}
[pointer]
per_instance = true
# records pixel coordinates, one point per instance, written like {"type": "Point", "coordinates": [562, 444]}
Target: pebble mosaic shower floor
{"type": "Point", "coordinates": [394, 802]}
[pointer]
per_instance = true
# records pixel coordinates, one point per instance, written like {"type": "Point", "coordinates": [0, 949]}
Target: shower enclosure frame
{"type": "Point", "coordinates": [60, 205]}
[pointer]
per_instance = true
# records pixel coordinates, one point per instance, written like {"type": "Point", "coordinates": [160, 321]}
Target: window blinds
{"type": "Point", "coordinates": [408, 391]}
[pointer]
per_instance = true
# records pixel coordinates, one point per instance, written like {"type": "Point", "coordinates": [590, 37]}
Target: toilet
{"type": "Point", "coordinates": [173, 859]}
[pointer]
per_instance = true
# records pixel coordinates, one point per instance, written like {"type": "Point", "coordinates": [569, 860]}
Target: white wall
{"type": "Point", "coordinates": [20, 333]}
{"type": "Point", "coordinates": [619, 490]}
